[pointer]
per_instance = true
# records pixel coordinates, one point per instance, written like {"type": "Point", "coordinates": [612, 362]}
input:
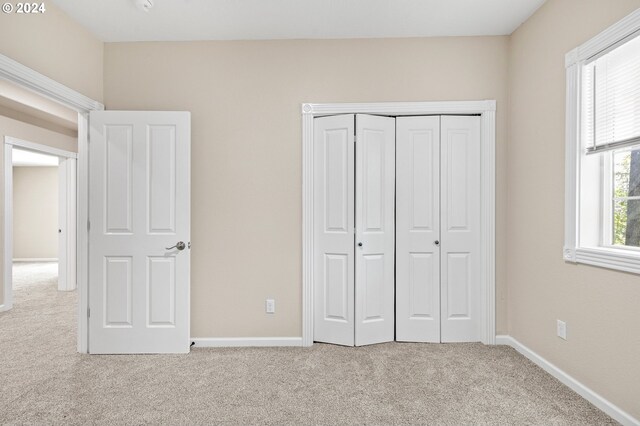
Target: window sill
{"type": "Point", "coordinates": [611, 258]}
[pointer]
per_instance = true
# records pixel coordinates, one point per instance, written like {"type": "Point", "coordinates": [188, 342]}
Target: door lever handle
{"type": "Point", "coordinates": [180, 246]}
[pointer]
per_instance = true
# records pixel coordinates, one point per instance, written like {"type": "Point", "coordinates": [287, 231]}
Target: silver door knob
{"type": "Point", "coordinates": [359, 244]}
{"type": "Point", "coordinates": [436, 242]}
{"type": "Point", "coordinates": [180, 246]}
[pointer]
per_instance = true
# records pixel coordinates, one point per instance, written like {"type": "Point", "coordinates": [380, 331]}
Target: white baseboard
{"type": "Point", "coordinates": [502, 339]}
{"type": "Point", "coordinates": [4, 308]}
{"type": "Point", "coordinates": [235, 342]}
{"type": "Point", "coordinates": [35, 259]}
{"type": "Point", "coordinates": [612, 410]}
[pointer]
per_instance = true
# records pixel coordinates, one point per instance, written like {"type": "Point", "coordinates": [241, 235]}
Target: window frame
{"type": "Point", "coordinates": [603, 254]}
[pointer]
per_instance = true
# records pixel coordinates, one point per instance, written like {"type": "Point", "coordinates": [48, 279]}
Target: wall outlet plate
{"type": "Point", "coordinates": [562, 329]}
{"type": "Point", "coordinates": [270, 306]}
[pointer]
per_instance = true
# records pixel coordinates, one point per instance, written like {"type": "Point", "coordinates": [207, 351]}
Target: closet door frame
{"type": "Point", "coordinates": [486, 109]}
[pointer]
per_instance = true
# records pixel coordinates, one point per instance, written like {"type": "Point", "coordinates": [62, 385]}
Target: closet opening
{"type": "Point", "coordinates": [399, 244]}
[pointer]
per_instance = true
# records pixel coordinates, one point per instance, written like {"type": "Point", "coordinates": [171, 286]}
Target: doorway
{"type": "Point", "coordinates": [485, 110]}
{"type": "Point", "coordinates": [28, 80]}
{"type": "Point", "coordinates": [39, 226]}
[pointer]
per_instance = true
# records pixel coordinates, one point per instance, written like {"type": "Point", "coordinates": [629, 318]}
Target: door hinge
{"type": "Point", "coordinates": [88, 312]}
{"type": "Point", "coordinates": [88, 225]}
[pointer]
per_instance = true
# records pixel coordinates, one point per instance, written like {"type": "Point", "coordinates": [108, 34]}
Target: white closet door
{"type": "Point", "coordinates": [418, 229]}
{"type": "Point", "coordinates": [333, 267]}
{"type": "Point", "coordinates": [375, 206]}
{"type": "Point", "coordinates": [460, 228]}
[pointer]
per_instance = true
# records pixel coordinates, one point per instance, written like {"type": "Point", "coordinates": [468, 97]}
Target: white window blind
{"type": "Point", "coordinates": [611, 98]}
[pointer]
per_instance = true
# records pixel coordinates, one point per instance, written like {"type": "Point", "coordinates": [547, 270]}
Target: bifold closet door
{"type": "Point", "coordinates": [418, 229]}
{"type": "Point", "coordinates": [460, 228]}
{"type": "Point", "coordinates": [375, 229]}
{"type": "Point", "coordinates": [438, 229]}
{"type": "Point", "coordinates": [334, 265]}
{"type": "Point", "coordinates": [354, 229]}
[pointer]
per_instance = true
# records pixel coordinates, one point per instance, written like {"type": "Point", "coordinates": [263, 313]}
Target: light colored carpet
{"type": "Point", "coordinates": [30, 274]}
{"type": "Point", "coordinates": [44, 381]}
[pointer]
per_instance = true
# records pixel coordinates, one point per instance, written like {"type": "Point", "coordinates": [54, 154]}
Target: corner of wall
{"type": "Point", "coordinates": [56, 46]}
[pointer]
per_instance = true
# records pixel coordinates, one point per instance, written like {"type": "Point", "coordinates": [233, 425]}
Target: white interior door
{"type": "Point", "coordinates": [62, 225]}
{"type": "Point", "coordinates": [67, 224]}
{"type": "Point", "coordinates": [139, 183]}
{"type": "Point", "coordinates": [418, 229]}
{"type": "Point", "coordinates": [375, 223]}
{"type": "Point", "coordinates": [460, 228]}
{"type": "Point", "coordinates": [333, 267]}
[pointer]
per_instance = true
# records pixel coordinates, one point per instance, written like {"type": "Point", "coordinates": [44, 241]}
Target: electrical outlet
{"type": "Point", "coordinates": [270, 306]}
{"type": "Point", "coordinates": [562, 329]}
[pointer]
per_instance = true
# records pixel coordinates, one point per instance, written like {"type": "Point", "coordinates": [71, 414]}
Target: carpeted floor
{"type": "Point", "coordinates": [44, 381]}
{"type": "Point", "coordinates": [33, 274]}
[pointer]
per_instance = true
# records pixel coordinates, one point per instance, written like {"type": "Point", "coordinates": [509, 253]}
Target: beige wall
{"type": "Point", "coordinates": [27, 132]}
{"type": "Point", "coordinates": [246, 147]}
{"type": "Point", "coordinates": [35, 212]}
{"type": "Point", "coordinates": [601, 307]}
{"type": "Point", "coordinates": [56, 46]}
{"type": "Point", "coordinates": [60, 48]}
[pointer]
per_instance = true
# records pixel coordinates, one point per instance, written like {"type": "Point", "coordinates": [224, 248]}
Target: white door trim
{"type": "Point", "coordinates": [45, 149]}
{"type": "Point", "coordinates": [7, 261]}
{"type": "Point", "coordinates": [30, 79]}
{"type": "Point", "coordinates": [68, 208]}
{"type": "Point", "coordinates": [82, 236]}
{"type": "Point", "coordinates": [485, 108]}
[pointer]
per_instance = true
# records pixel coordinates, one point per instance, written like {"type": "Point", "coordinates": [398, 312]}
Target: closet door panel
{"type": "Point", "coordinates": [460, 235]}
{"type": "Point", "coordinates": [334, 230]}
{"type": "Point", "coordinates": [418, 229]}
{"type": "Point", "coordinates": [374, 208]}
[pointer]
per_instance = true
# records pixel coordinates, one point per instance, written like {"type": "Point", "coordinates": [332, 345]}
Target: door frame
{"type": "Point", "coordinates": [27, 78]}
{"type": "Point", "coordinates": [68, 208]}
{"type": "Point", "coordinates": [68, 186]}
{"type": "Point", "coordinates": [487, 110]}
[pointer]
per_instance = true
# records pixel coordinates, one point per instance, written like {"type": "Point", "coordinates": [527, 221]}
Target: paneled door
{"type": "Point", "coordinates": [460, 228]}
{"type": "Point", "coordinates": [375, 229]}
{"type": "Point", "coordinates": [333, 266]}
{"type": "Point", "coordinates": [418, 229]}
{"type": "Point", "coordinates": [139, 232]}
{"type": "Point", "coordinates": [354, 229]}
{"type": "Point", "coordinates": [438, 229]}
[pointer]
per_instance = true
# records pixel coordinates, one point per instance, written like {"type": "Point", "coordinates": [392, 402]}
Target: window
{"type": "Point", "coordinates": [602, 223]}
{"type": "Point", "coordinates": [625, 227]}
{"type": "Point", "coordinates": [611, 97]}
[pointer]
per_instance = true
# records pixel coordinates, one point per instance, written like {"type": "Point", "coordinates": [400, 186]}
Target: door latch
{"type": "Point", "coordinates": [180, 246]}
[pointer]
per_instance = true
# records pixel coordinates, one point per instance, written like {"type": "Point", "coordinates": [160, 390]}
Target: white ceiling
{"type": "Point", "coordinates": [169, 20]}
{"type": "Point", "coordinates": [23, 158]}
